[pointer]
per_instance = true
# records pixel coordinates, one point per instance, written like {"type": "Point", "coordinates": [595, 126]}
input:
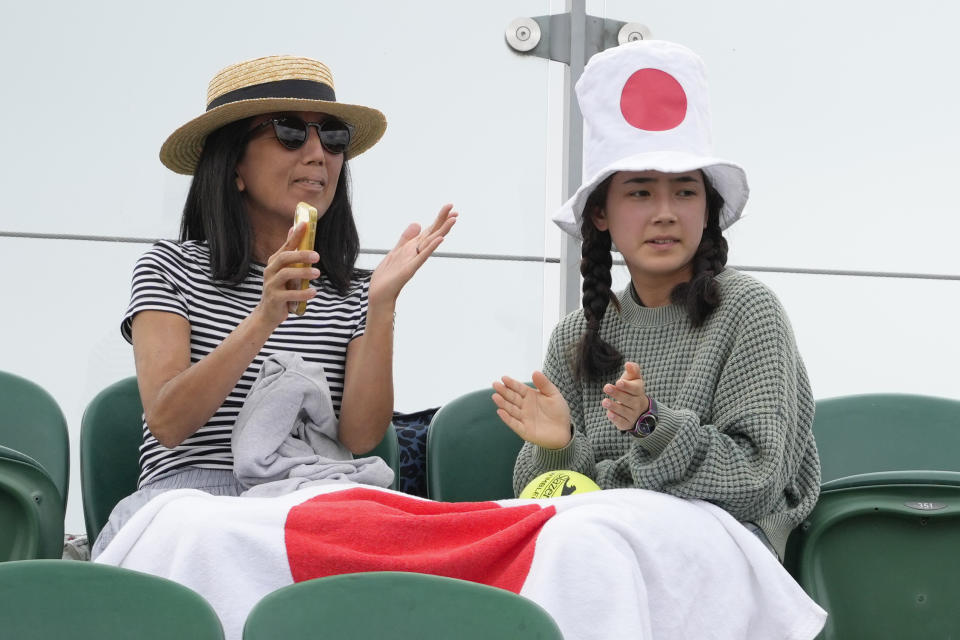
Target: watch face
{"type": "Point", "coordinates": [646, 425]}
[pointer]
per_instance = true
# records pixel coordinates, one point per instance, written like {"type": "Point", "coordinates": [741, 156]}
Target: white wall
{"type": "Point", "coordinates": [841, 114]}
{"type": "Point", "coordinates": [844, 116]}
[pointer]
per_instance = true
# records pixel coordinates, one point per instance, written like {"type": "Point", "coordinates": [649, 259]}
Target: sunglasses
{"type": "Point", "coordinates": [292, 132]}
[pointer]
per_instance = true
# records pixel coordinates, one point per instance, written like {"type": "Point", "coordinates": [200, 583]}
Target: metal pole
{"type": "Point", "coordinates": [573, 165]}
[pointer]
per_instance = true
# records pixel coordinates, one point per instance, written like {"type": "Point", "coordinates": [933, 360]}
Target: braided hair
{"type": "Point", "coordinates": [594, 357]}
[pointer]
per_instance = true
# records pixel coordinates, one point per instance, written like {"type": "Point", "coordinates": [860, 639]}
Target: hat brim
{"type": "Point", "coordinates": [181, 151]}
{"type": "Point", "coordinates": [728, 178]}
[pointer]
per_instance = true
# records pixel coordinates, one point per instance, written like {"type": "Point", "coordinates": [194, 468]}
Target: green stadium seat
{"type": "Point", "coordinates": [879, 551]}
{"type": "Point", "coordinates": [32, 423]}
{"type": "Point", "coordinates": [110, 437]}
{"type": "Point", "coordinates": [31, 510]}
{"type": "Point", "coordinates": [398, 605]}
{"type": "Point", "coordinates": [470, 452]}
{"type": "Point", "coordinates": [90, 601]}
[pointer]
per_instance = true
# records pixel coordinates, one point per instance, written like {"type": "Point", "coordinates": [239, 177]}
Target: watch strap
{"type": "Point", "coordinates": [647, 421]}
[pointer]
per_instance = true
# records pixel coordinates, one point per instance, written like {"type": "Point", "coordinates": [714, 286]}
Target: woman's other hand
{"type": "Point", "coordinates": [626, 399]}
{"type": "Point", "coordinates": [539, 415]}
{"type": "Point", "coordinates": [411, 251]}
{"type": "Point", "coordinates": [368, 384]}
{"type": "Point", "coordinates": [280, 278]}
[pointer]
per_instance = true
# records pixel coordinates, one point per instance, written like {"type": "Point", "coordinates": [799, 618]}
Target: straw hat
{"type": "Point", "coordinates": [646, 108]}
{"type": "Point", "coordinates": [266, 85]}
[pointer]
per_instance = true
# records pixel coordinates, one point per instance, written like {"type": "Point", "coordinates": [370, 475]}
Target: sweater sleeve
{"type": "Point", "coordinates": [746, 456]}
{"type": "Point", "coordinates": [578, 455]}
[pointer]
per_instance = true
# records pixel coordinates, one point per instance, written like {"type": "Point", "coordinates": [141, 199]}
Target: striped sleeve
{"type": "Point", "coordinates": [362, 308]}
{"type": "Point", "coordinates": [157, 285]}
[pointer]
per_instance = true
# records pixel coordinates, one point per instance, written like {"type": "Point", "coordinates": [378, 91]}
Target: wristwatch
{"type": "Point", "coordinates": [647, 421]}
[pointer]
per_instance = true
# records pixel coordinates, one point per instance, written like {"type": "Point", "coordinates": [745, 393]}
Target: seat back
{"type": "Point", "coordinates": [881, 557]}
{"type": "Point", "coordinates": [31, 422]}
{"type": "Point", "coordinates": [407, 606]}
{"type": "Point", "coordinates": [886, 432]}
{"type": "Point", "coordinates": [389, 450]}
{"type": "Point", "coordinates": [31, 511]}
{"type": "Point", "coordinates": [470, 452]}
{"type": "Point", "coordinates": [110, 436]}
{"type": "Point", "coordinates": [87, 601]}
{"type": "Point", "coordinates": [878, 552]}
{"type": "Point", "coordinates": [111, 432]}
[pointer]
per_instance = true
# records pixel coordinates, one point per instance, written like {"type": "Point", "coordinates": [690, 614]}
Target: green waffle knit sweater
{"type": "Point", "coordinates": [734, 403]}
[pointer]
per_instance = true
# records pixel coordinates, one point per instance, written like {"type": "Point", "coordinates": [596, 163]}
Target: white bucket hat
{"type": "Point", "coordinates": [646, 108]}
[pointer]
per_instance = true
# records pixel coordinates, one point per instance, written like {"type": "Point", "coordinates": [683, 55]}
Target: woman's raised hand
{"type": "Point", "coordinates": [412, 250]}
{"type": "Point", "coordinates": [539, 415]}
{"type": "Point", "coordinates": [280, 276]}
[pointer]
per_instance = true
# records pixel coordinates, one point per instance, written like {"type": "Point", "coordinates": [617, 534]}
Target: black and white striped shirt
{"type": "Point", "coordinates": [175, 277]}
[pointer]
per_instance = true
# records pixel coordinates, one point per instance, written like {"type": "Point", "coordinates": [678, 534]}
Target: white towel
{"type": "Point", "coordinates": [625, 563]}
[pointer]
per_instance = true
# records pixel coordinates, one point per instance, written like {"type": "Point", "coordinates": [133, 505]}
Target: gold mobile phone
{"type": "Point", "coordinates": [308, 214]}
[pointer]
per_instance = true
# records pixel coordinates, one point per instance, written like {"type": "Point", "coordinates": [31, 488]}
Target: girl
{"type": "Point", "coordinates": [688, 382]}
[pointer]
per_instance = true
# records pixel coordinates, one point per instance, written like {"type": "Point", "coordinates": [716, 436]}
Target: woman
{"type": "Point", "coordinates": [689, 381]}
{"type": "Point", "coordinates": [206, 311]}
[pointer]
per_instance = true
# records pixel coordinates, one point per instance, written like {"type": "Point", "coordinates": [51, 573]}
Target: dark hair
{"type": "Point", "coordinates": [701, 294]}
{"type": "Point", "coordinates": [593, 356]}
{"type": "Point", "coordinates": [215, 211]}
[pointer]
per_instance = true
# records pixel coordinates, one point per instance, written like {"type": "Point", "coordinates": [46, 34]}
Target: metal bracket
{"type": "Point", "coordinates": [549, 36]}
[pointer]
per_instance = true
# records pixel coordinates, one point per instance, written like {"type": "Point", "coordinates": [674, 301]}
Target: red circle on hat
{"type": "Point", "coordinates": [653, 100]}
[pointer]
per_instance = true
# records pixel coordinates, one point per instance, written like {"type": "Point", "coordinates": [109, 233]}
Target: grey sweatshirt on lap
{"type": "Point", "coordinates": [286, 435]}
